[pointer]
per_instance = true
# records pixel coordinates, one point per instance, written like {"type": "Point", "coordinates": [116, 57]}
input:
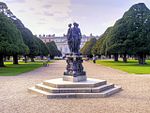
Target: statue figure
{"type": "Point", "coordinates": [74, 38]}
{"type": "Point", "coordinates": [69, 37]}
{"type": "Point", "coordinates": [74, 60]}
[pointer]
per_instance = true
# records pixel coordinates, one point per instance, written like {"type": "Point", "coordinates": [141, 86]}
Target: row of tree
{"type": "Point", "coordinates": [130, 36]}
{"type": "Point", "coordinates": [15, 39]}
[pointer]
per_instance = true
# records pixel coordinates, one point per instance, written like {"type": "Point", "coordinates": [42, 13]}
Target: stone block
{"type": "Point", "coordinates": [74, 79]}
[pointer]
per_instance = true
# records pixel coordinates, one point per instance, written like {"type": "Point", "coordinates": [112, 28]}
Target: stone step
{"type": "Point", "coordinates": [75, 95]}
{"type": "Point", "coordinates": [34, 90]}
{"type": "Point", "coordinates": [112, 91]}
{"type": "Point", "coordinates": [59, 83]}
{"type": "Point", "coordinates": [47, 88]}
{"type": "Point", "coordinates": [102, 88]}
{"type": "Point", "coordinates": [74, 90]}
{"type": "Point", "coordinates": [85, 95]}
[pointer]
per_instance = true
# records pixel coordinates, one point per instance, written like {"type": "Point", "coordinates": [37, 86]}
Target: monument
{"type": "Point", "coordinates": [74, 70]}
{"type": "Point", "coordinates": [74, 83]}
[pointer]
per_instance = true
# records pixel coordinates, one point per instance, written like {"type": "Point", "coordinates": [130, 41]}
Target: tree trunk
{"type": "Point", "coordinates": [141, 59]}
{"type": "Point", "coordinates": [8, 58]}
{"type": "Point", "coordinates": [1, 61]}
{"type": "Point", "coordinates": [25, 59]}
{"type": "Point", "coordinates": [42, 57]}
{"type": "Point", "coordinates": [125, 57]}
{"type": "Point", "coordinates": [32, 59]}
{"type": "Point", "coordinates": [109, 56]}
{"type": "Point", "coordinates": [52, 57]}
{"type": "Point", "coordinates": [4, 58]}
{"type": "Point", "coordinates": [15, 59]}
{"type": "Point", "coordinates": [116, 57]}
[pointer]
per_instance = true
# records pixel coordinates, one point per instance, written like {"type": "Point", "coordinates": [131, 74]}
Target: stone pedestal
{"type": "Point", "coordinates": [74, 79]}
{"type": "Point", "coordinates": [74, 70]}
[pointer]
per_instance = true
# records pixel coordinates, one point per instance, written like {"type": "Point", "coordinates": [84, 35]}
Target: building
{"type": "Point", "coordinates": [61, 41]}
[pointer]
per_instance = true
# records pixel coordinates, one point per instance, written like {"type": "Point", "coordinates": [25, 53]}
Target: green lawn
{"type": "Point", "coordinates": [131, 67]}
{"type": "Point", "coordinates": [13, 70]}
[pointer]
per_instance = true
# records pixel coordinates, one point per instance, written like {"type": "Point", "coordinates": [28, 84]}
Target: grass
{"type": "Point", "coordinates": [13, 70]}
{"type": "Point", "coordinates": [131, 67]}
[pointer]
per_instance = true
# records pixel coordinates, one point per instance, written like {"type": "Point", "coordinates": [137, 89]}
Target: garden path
{"type": "Point", "coordinates": [135, 97]}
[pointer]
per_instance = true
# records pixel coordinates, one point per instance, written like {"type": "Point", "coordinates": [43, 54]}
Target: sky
{"type": "Point", "coordinates": [53, 16]}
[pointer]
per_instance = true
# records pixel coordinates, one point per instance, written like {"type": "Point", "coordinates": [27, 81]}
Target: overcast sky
{"type": "Point", "coordinates": [53, 16]}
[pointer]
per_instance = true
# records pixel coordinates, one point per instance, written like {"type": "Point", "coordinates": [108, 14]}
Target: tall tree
{"type": "Point", "coordinates": [43, 49]}
{"type": "Point", "coordinates": [53, 50]}
{"type": "Point", "coordinates": [28, 39]}
{"type": "Point", "coordinates": [100, 46]}
{"type": "Point", "coordinates": [131, 34]}
{"type": "Point", "coordinates": [87, 48]}
{"type": "Point", "coordinates": [11, 42]}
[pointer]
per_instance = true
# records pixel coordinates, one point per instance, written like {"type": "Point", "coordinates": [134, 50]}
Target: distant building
{"type": "Point", "coordinates": [61, 41]}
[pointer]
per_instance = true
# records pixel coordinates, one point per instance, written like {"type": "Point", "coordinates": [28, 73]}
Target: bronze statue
{"type": "Point", "coordinates": [74, 59]}
{"type": "Point", "coordinates": [74, 38]}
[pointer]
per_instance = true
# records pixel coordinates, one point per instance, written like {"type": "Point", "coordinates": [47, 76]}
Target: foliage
{"type": "Point", "coordinates": [87, 48]}
{"type": "Point", "coordinates": [28, 38]}
{"type": "Point", "coordinates": [43, 49]}
{"type": "Point", "coordinates": [101, 44]}
{"type": "Point", "coordinates": [11, 41]}
{"type": "Point", "coordinates": [53, 50]}
{"type": "Point", "coordinates": [130, 35]}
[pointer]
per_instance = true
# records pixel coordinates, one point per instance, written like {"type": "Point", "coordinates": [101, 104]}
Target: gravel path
{"type": "Point", "coordinates": [135, 97]}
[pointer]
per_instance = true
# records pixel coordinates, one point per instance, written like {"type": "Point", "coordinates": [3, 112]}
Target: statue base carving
{"type": "Point", "coordinates": [74, 70]}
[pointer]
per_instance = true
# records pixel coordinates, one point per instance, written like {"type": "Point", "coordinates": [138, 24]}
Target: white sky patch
{"type": "Point", "coordinates": [42, 16]}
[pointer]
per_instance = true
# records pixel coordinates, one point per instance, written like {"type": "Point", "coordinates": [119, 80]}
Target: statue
{"type": "Point", "coordinates": [69, 37]}
{"type": "Point", "coordinates": [74, 38]}
{"type": "Point", "coordinates": [74, 60]}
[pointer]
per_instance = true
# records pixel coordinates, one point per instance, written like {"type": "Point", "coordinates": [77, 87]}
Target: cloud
{"type": "Point", "coordinates": [14, 1]}
{"type": "Point", "coordinates": [53, 16]}
{"type": "Point", "coordinates": [47, 6]}
{"type": "Point", "coordinates": [46, 13]}
{"type": "Point", "coordinates": [42, 16]}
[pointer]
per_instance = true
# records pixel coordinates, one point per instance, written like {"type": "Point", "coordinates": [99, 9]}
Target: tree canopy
{"type": "Point", "coordinates": [28, 38]}
{"type": "Point", "coordinates": [42, 48]}
{"type": "Point", "coordinates": [101, 44]}
{"type": "Point", "coordinates": [87, 48]}
{"type": "Point", "coordinates": [11, 41]}
{"type": "Point", "coordinates": [130, 34]}
{"type": "Point", "coordinates": [53, 50]}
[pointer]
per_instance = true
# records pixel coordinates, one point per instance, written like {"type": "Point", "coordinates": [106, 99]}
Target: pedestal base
{"type": "Point", "coordinates": [75, 79]}
{"type": "Point", "coordinates": [91, 88]}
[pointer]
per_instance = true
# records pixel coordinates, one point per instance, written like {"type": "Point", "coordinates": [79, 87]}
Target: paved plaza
{"type": "Point", "coordinates": [135, 97]}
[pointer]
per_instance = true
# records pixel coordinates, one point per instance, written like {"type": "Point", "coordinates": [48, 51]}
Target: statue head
{"type": "Point", "coordinates": [69, 25]}
{"type": "Point", "coordinates": [75, 24]}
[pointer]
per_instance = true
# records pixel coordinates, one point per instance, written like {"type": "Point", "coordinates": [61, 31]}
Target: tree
{"type": "Point", "coordinates": [28, 39]}
{"type": "Point", "coordinates": [100, 46]}
{"type": "Point", "coordinates": [87, 48]}
{"type": "Point", "coordinates": [131, 34]}
{"type": "Point", "coordinates": [11, 42]}
{"type": "Point", "coordinates": [53, 50]}
{"type": "Point", "coordinates": [43, 49]}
